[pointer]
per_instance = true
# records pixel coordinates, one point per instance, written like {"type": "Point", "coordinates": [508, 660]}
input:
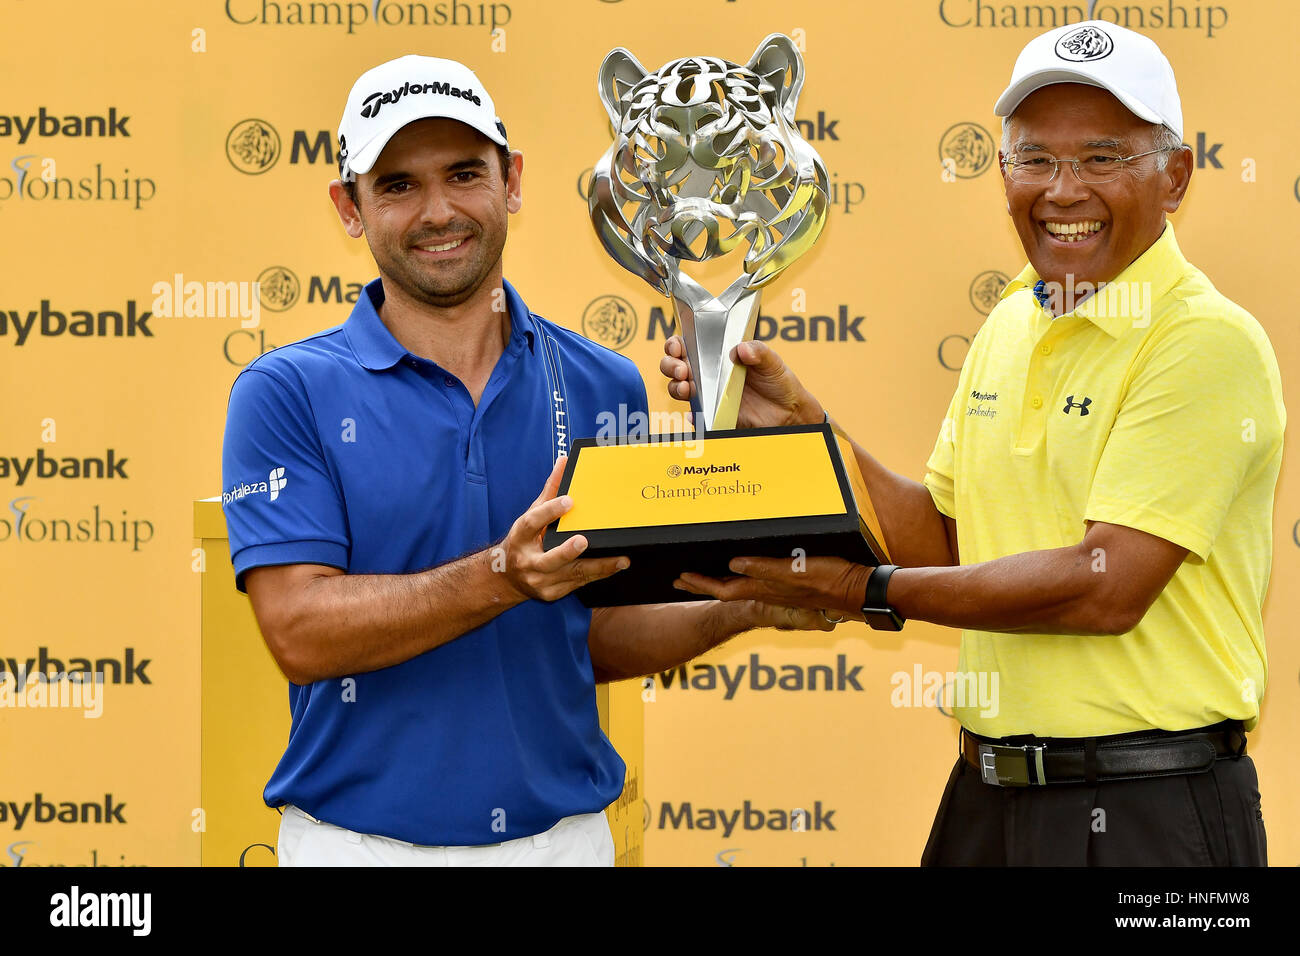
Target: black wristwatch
{"type": "Point", "coordinates": [875, 605]}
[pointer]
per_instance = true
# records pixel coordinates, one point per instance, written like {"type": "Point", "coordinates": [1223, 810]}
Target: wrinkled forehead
{"type": "Point", "coordinates": [1074, 114]}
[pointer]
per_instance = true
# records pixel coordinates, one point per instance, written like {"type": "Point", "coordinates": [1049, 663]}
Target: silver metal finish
{"type": "Point", "coordinates": [706, 160]}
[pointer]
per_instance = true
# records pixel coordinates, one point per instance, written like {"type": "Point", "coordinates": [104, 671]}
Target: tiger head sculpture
{"type": "Point", "coordinates": [707, 158]}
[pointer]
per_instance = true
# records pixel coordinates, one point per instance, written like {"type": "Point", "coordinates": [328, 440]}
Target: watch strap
{"type": "Point", "coordinates": [875, 604]}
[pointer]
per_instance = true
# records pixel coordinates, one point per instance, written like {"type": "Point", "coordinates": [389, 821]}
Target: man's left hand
{"type": "Point", "coordinates": [783, 617]}
{"type": "Point", "coordinates": [820, 584]}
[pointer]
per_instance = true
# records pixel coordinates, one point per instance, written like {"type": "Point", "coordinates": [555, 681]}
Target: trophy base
{"type": "Point", "coordinates": [680, 503]}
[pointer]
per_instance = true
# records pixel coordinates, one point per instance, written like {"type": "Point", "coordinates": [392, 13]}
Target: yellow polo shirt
{"type": "Point", "coordinates": [1156, 404]}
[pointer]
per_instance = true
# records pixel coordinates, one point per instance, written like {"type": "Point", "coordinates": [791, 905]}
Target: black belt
{"type": "Point", "coordinates": [1030, 761]}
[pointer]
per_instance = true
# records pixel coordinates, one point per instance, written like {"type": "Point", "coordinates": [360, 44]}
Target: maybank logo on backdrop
{"type": "Point", "coordinates": [77, 323]}
{"type": "Point", "coordinates": [25, 527]}
{"type": "Point", "coordinates": [41, 465]}
{"type": "Point", "coordinates": [1206, 18]}
{"type": "Point", "coordinates": [986, 290]}
{"type": "Point", "coordinates": [687, 816]}
{"type": "Point", "coordinates": [36, 178]}
{"type": "Point", "coordinates": [355, 15]}
{"type": "Point", "coordinates": [112, 670]}
{"type": "Point", "coordinates": [758, 677]}
{"type": "Point", "coordinates": [966, 150]}
{"type": "Point", "coordinates": [842, 327]}
{"type": "Point", "coordinates": [611, 321]}
{"type": "Point", "coordinates": [278, 288]}
{"type": "Point", "coordinates": [274, 484]}
{"type": "Point", "coordinates": [40, 810]}
{"type": "Point", "coordinates": [253, 146]}
{"type": "Point", "coordinates": [47, 125]}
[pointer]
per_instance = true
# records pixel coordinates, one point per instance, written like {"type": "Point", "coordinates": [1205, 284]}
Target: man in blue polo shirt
{"type": "Point", "coordinates": [387, 495]}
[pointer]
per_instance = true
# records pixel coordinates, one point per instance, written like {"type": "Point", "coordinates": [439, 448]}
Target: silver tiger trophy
{"type": "Point", "coordinates": [707, 161]}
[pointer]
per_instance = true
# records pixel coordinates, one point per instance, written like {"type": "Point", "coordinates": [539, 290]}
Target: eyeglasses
{"type": "Point", "coordinates": [1094, 169]}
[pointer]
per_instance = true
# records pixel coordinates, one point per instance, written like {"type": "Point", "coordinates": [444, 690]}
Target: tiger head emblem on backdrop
{"type": "Point", "coordinates": [707, 158]}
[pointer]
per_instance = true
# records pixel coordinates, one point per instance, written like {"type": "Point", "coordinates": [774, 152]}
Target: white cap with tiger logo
{"type": "Point", "coordinates": [1099, 53]}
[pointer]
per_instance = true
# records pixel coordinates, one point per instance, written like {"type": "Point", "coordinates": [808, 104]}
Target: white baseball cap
{"type": "Point", "coordinates": [402, 91]}
{"type": "Point", "coordinates": [1099, 53]}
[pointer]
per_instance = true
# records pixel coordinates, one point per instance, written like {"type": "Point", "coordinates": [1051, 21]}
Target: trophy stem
{"type": "Point", "coordinates": [711, 329]}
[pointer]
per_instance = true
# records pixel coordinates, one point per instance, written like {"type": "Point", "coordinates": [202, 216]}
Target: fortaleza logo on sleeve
{"type": "Point", "coordinates": [274, 484]}
{"type": "Point", "coordinates": [373, 103]}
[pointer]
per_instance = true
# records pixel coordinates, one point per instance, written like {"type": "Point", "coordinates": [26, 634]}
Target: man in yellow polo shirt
{"type": "Point", "coordinates": [1097, 511]}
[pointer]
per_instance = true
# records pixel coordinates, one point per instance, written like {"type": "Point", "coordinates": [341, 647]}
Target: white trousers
{"type": "Point", "coordinates": [580, 840]}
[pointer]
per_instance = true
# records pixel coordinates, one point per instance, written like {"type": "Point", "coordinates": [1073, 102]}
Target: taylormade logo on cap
{"type": "Point", "coordinates": [374, 102]}
{"type": "Point", "coordinates": [1098, 53]}
{"type": "Point", "coordinates": [403, 91]}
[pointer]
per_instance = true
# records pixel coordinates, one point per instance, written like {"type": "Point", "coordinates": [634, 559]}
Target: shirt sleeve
{"type": "Point", "coordinates": [281, 502]}
{"type": "Point", "coordinates": [940, 470]}
{"type": "Point", "coordinates": [1202, 412]}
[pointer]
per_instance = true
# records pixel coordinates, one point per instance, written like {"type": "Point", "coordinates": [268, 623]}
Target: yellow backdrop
{"type": "Point", "coordinates": [146, 146]}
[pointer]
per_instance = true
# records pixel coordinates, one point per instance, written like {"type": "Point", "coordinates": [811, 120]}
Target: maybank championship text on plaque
{"type": "Point", "coordinates": [734, 479]}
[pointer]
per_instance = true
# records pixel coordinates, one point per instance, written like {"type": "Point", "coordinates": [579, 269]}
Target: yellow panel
{"type": "Point", "coordinates": [245, 705]}
{"type": "Point", "coordinates": [623, 720]}
{"type": "Point", "coordinates": [718, 479]}
{"type": "Point", "coordinates": [861, 497]}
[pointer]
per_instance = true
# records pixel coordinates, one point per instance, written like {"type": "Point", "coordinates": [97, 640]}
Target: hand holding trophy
{"type": "Point", "coordinates": [707, 161]}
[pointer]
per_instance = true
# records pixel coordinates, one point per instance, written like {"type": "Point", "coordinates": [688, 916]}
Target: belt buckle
{"type": "Point", "coordinates": [1005, 766]}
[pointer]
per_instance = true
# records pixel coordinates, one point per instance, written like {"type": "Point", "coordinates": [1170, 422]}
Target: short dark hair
{"type": "Point", "coordinates": [503, 154]}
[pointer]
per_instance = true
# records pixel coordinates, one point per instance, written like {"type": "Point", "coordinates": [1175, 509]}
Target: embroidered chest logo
{"type": "Point", "coordinates": [982, 404]}
{"type": "Point", "coordinates": [1081, 406]}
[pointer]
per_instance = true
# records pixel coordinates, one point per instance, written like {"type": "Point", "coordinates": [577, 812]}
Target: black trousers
{"type": "Point", "coordinates": [1204, 819]}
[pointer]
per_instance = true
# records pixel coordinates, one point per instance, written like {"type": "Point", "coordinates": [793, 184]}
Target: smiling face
{"type": "Point", "coordinates": [433, 210]}
{"type": "Point", "coordinates": [1090, 232]}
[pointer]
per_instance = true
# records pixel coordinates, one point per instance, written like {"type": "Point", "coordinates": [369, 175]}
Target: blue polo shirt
{"type": "Point", "coordinates": [346, 450]}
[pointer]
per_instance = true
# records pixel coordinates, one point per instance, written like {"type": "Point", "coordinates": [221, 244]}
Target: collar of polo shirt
{"type": "Point", "coordinates": [376, 348]}
{"type": "Point", "coordinates": [1155, 270]}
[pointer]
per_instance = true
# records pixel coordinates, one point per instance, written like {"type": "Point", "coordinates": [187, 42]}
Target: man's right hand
{"type": "Point", "coordinates": [773, 395]}
{"type": "Point", "coordinates": [549, 575]}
